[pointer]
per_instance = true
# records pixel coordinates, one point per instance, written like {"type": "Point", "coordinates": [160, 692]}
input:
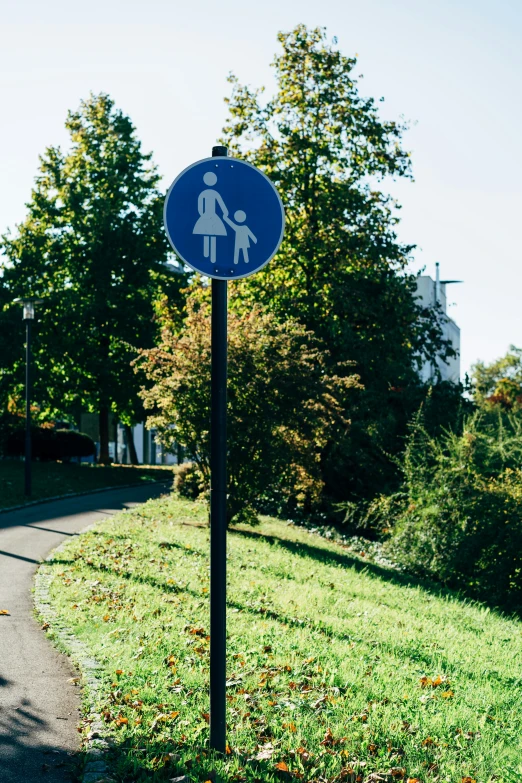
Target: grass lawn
{"type": "Point", "coordinates": [57, 478]}
{"type": "Point", "coordinates": [338, 668]}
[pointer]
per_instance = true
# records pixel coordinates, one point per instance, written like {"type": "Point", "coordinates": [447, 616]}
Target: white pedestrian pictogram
{"type": "Point", "coordinates": [210, 225]}
{"type": "Point", "coordinates": [243, 235]}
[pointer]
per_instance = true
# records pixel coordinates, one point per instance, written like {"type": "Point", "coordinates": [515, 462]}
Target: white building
{"type": "Point", "coordinates": [432, 293]}
{"type": "Point", "coordinates": [147, 450]}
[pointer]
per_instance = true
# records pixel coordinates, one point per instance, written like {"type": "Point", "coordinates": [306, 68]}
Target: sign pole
{"type": "Point", "coordinates": [225, 220]}
{"type": "Point", "coordinates": [27, 467]}
{"type": "Point", "coordinates": [218, 510]}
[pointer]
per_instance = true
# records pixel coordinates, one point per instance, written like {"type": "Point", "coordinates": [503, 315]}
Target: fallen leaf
{"type": "Point", "coordinates": [265, 753]}
{"type": "Point", "coordinates": [5, 611]}
{"type": "Point", "coordinates": [329, 740]}
{"type": "Point", "coordinates": [447, 694]}
{"type": "Point", "coordinates": [281, 765]}
{"type": "Point", "coordinates": [428, 682]}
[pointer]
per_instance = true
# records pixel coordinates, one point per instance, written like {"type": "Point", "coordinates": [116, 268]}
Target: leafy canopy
{"type": "Point", "coordinates": [499, 383]}
{"type": "Point", "coordinates": [340, 271]}
{"type": "Point", "coordinates": [325, 147]}
{"type": "Point", "coordinates": [93, 246]}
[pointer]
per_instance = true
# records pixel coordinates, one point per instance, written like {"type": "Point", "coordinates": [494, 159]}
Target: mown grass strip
{"type": "Point", "coordinates": [337, 669]}
{"type": "Point", "coordinates": [51, 479]}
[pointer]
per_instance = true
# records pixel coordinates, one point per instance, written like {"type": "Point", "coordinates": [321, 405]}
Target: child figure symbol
{"type": "Point", "coordinates": [243, 235]}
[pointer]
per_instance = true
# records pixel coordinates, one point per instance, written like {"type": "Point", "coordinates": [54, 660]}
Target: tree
{"type": "Point", "coordinates": [93, 244]}
{"type": "Point", "coordinates": [284, 402]}
{"type": "Point", "coordinates": [340, 271]}
{"type": "Point", "coordinates": [499, 383]}
{"type": "Point", "coordinates": [11, 347]}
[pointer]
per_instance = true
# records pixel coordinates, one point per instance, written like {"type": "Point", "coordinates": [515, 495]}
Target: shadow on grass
{"type": "Point", "coordinates": [329, 557]}
{"type": "Point", "coordinates": [408, 650]}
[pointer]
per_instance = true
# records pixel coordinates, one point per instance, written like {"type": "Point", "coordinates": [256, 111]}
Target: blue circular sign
{"type": "Point", "coordinates": [224, 218]}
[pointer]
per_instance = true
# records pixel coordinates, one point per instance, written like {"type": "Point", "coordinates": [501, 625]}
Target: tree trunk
{"type": "Point", "coordinates": [104, 458]}
{"type": "Point", "coordinates": [129, 437]}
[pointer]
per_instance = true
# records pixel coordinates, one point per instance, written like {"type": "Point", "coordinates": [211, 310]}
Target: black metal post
{"type": "Point", "coordinates": [28, 407]}
{"type": "Point", "coordinates": [218, 511]}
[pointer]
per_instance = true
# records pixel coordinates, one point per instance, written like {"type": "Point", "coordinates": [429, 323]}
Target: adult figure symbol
{"type": "Point", "coordinates": [209, 224]}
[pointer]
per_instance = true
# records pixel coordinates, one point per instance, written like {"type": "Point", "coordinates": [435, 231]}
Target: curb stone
{"type": "Point", "coordinates": [81, 494]}
{"type": "Point", "coordinates": [95, 770]}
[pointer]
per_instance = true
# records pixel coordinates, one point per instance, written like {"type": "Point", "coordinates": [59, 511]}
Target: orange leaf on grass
{"type": "Point", "coordinates": [281, 765]}
{"type": "Point", "coordinates": [329, 739]}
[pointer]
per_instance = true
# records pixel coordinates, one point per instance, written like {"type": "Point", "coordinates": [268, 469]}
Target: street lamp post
{"type": "Point", "coordinates": [28, 316]}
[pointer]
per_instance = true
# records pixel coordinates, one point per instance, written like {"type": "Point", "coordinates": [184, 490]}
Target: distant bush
{"type": "Point", "coordinates": [459, 517]}
{"type": "Point", "coordinates": [9, 423]}
{"type": "Point", "coordinates": [49, 444]}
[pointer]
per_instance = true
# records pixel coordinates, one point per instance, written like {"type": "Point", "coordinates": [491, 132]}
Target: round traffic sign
{"type": "Point", "coordinates": [224, 218]}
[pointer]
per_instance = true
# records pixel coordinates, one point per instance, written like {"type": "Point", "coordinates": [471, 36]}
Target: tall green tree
{"type": "Point", "coordinates": [93, 245]}
{"type": "Point", "coordinates": [340, 270]}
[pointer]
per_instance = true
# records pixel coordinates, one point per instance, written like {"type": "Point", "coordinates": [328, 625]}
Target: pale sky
{"type": "Point", "coordinates": [454, 68]}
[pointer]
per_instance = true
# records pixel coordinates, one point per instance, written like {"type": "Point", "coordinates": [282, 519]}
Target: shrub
{"type": "Point", "coordinates": [189, 483]}
{"type": "Point", "coordinates": [459, 518]}
{"type": "Point", "coordinates": [9, 423]}
{"type": "Point", "coordinates": [284, 402]}
{"type": "Point", "coordinates": [49, 444]}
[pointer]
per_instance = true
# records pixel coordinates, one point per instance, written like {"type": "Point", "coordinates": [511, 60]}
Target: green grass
{"type": "Point", "coordinates": [327, 658]}
{"type": "Point", "coordinates": [57, 478]}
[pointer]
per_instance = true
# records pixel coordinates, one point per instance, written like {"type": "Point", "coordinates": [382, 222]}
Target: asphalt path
{"type": "Point", "coordinates": [39, 707]}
